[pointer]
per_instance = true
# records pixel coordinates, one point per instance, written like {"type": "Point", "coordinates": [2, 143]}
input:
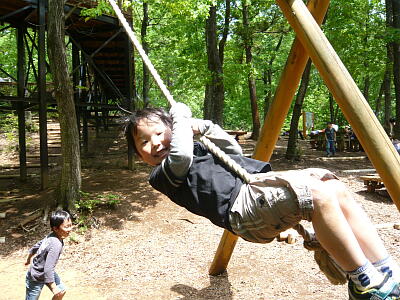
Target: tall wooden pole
{"type": "Point", "coordinates": [21, 110]}
{"type": "Point", "coordinates": [369, 131]}
{"type": "Point", "coordinates": [276, 115]}
{"type": "Point", "coordinates": [44, 159]}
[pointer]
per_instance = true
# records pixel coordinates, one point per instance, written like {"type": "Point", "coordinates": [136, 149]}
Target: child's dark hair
{"type": "Point", "coordinates": [131, 122]}
{"type": "Point", "coordinates": [58, 217]}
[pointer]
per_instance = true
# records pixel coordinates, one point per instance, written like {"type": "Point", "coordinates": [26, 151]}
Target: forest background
{"type": "Point", "coordinates": [233, 53]}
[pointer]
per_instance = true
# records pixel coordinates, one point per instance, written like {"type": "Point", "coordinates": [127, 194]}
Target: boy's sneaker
{"type": "Point", "coordinates": [388, 289]}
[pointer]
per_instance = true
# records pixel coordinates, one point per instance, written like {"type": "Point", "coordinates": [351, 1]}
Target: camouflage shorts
{"type": "Point", "coordinates": [273, 202]}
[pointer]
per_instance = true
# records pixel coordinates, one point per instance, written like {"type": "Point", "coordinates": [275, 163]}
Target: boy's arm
{"type": "Point", "coordinates": [217, 135]}
{"type": "Point", "coordinates": [32, 252]}
{"type": "Point", "coordinates": [52, 257]}
{"type": "Point", "coordinates": [29, 258]}
{"type": "Point", "coordinates": [180, 155]}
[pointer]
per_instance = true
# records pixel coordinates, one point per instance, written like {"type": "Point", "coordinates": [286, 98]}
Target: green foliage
{"type": "Point", "coordinates": [9, 127]}
{"type": "Point", "coordinates": [88, 203]}
{"type": "Point", "coordinates": [177, 48]}
{"type": "Point", "coordinates": [103, 7]}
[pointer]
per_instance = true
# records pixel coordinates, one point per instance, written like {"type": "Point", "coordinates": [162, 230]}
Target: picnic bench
{"type": "Point", "coordinates": [236, 133]}
{"type": "Point", "coordinates": [372, 182]}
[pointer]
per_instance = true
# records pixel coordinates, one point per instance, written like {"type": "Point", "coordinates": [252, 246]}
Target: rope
{"type": "Point", "coordinates": [142, 53]}
{"type": "Point", "coordinates": [234, 166]}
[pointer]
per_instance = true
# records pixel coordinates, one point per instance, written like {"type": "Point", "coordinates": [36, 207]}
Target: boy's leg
{"type": "Point", "coordinates": [60, 285]}
{"type": "Point", "coordinates": [332, 229]}
{"type": "Point", "coordinates": [33, 288]}
{"type": "Point", "coordinates": [345, 231]}
{"type": "Point", "coordinates": [328, 146]}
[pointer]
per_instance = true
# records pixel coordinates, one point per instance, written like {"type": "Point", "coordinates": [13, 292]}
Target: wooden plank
{"type": "Point", "coordinates": [343, 158]}
{"type": "Point", "coordinates": [358, 170]}
{"type": "Point", "coordinates": [12, 166]}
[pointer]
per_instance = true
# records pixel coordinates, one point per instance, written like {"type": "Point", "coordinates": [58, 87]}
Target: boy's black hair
{"type": "Point", "coordinates": [131, 122]}
{"type": "Point", "coordinates": [58, 217]}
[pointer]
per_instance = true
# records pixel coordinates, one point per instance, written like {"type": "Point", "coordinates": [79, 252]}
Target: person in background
{"type": "Point", "coordinates": [43, 257]}
{"type": "Point", "coordinates": [330, 137]}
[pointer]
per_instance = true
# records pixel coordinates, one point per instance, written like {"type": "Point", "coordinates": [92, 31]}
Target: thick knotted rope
{"type": "Point", "coordinates": [325, 262]}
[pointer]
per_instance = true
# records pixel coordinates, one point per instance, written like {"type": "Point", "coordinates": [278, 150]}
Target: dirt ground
{"type": "Point", "coordinates": [149, 248]}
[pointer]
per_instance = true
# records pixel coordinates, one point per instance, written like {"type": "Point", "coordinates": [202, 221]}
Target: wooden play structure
{"type": "Point", "coordinates": [309, 43]}
{"type": "Point", "coordinates": [102, 68]}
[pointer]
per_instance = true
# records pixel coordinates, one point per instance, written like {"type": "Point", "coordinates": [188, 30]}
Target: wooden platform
{"type": "Point", "coordinates": [372, 182]}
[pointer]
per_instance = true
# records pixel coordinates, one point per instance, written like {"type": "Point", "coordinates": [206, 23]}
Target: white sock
{"type": "Point", "coordinates": [366, 276]}
{"type": "Point", "coordinates": [388, 266]}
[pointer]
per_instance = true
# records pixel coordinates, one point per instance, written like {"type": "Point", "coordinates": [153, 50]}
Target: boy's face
{"type": "Point", "coordinates": [152, 140]}
{"type": "Point", "coordinates": [64, 229]}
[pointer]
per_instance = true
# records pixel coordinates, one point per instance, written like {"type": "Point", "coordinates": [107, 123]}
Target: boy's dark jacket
{"type": "Point", "coordinates": [210, 187]}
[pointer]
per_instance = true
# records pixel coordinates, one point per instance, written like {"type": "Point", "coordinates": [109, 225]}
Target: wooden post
{"type": "Point", "coordinates": [356, 109]}
{"type": "Point", "coordinates": [279, 108]}
{"type": "Point", "coordinates": [44, 159]}
{"type": "Point", "coordinates": [21, 107]}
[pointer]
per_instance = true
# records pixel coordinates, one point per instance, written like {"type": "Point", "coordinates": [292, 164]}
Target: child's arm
{"type": "Point", "coordinates": [180, 156]}
{"type": "Point", "coordinates": [217, 135]}
{"type": "Point", "coordinates": [32, 252]}
{"type": "Point", "coordinates": [29, 258]}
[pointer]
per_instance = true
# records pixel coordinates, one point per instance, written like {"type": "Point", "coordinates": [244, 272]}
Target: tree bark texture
{"type": "Point", "coordinates": [388, 70]}
{"type": "Point", "coordinates": [396, 66]}
{"type": "Point", "coordinates": [214, 92]}
{"type": "Point", "coordinates": [250, 77]}
{"type": "Point", "coordinates": [146, 76]}
{"type": "Point", "coordinates": [267, 77]}
{"type": "Point", "coordinates": [292, 151]}
{"type": "Point", "coordinates": [70, 180]}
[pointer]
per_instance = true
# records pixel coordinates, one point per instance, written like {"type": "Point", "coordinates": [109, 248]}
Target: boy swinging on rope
{"type": "Point", "coordinates": [272, 202]}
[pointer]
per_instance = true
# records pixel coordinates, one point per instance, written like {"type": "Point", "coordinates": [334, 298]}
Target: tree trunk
{"type": "Point", "coordinates": [250, 77]}
{"type": "Point", "coordinates": [378, 103]}
{"type": "Point", "coordinates": [396, 66]}
{"type": "Point", "coordinates": [293, 151]}
{"type": "Point", "coordinates": [366, 59]}
{"type": "Point", "coordinates": [145, 45]}
{"type": "Point", "coordinates": [331, 109]}
{"type": "Point", "coordinates": [267, 77]}
{"type": "Point", "coordinates": [70, 180]}
{"type": "Point", "coordinates": [388, 70]}
{"type": "Point", "coordinates": [214, 91]}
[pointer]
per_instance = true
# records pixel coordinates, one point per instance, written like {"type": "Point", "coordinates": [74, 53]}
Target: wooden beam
{"type": "Point", "coordinates": [351, 101]}
{"type": "Point", "coordinates": [284, 94]}
{"type": "Point", "coordinates": [44, 160]}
